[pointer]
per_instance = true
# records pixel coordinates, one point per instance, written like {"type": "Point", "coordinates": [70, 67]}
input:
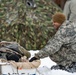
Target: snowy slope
{"type": "Point", "coordinates": [47, 63]}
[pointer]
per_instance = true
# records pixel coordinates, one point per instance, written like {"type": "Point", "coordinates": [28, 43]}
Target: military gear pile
{"type": "Point", "coordinates": [27, 22]}
{"type": "Point", "coordinates": [12, 51]}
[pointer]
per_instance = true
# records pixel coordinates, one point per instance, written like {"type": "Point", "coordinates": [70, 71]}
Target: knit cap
{"type": "Point", "coordinates": [59, 17]}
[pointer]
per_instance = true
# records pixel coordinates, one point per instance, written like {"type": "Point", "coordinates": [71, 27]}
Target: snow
{"type": "Point", "coordinates": [46, 64]}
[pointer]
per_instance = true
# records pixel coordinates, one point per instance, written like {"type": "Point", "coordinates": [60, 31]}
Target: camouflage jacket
{"type": "Point", "coordinates": [61, 48]}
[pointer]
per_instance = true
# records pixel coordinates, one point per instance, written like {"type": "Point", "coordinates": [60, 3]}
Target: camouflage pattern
{"type": "Point", "coordinates": [27, 22]}
{"type": "Point", "coordinates": [62, 47]}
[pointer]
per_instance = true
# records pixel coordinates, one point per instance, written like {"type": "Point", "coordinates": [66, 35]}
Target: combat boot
{"type": "Point", "coordinates": [71, 68]}
{"type": "Point", "coordinates": [56, 67]}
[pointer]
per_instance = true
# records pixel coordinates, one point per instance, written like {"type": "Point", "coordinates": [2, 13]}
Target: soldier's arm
{"type": "Point", "coordinates": [53, 45]}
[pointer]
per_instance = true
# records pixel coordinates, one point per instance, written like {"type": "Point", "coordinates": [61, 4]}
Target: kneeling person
{"type": "Point", "coordinates": [61, 48]}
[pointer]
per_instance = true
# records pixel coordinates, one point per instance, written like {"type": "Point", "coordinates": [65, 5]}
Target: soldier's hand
{"type": "Point", "coordinates": [32, 59]}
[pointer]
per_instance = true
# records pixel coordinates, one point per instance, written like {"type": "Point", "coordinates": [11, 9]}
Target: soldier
{"type": "Point", "coordinates": [70, 10]}
{"type": "Point", "coordinates": [61, 48]}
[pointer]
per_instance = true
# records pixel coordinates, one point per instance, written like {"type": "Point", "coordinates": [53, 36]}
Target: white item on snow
{"type": "Point", "coordinates": [8, 69]}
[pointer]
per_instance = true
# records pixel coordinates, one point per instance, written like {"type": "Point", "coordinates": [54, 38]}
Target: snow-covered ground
{"type": "Point", "coordinates": [47, 63]}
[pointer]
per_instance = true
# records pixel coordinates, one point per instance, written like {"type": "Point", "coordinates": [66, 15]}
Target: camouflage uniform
{"type": "Point", "coordinates": [61, 48]}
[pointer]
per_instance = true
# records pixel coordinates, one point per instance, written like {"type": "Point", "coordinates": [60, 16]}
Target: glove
{"type": "Point", "coordinates": [32, 59]}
